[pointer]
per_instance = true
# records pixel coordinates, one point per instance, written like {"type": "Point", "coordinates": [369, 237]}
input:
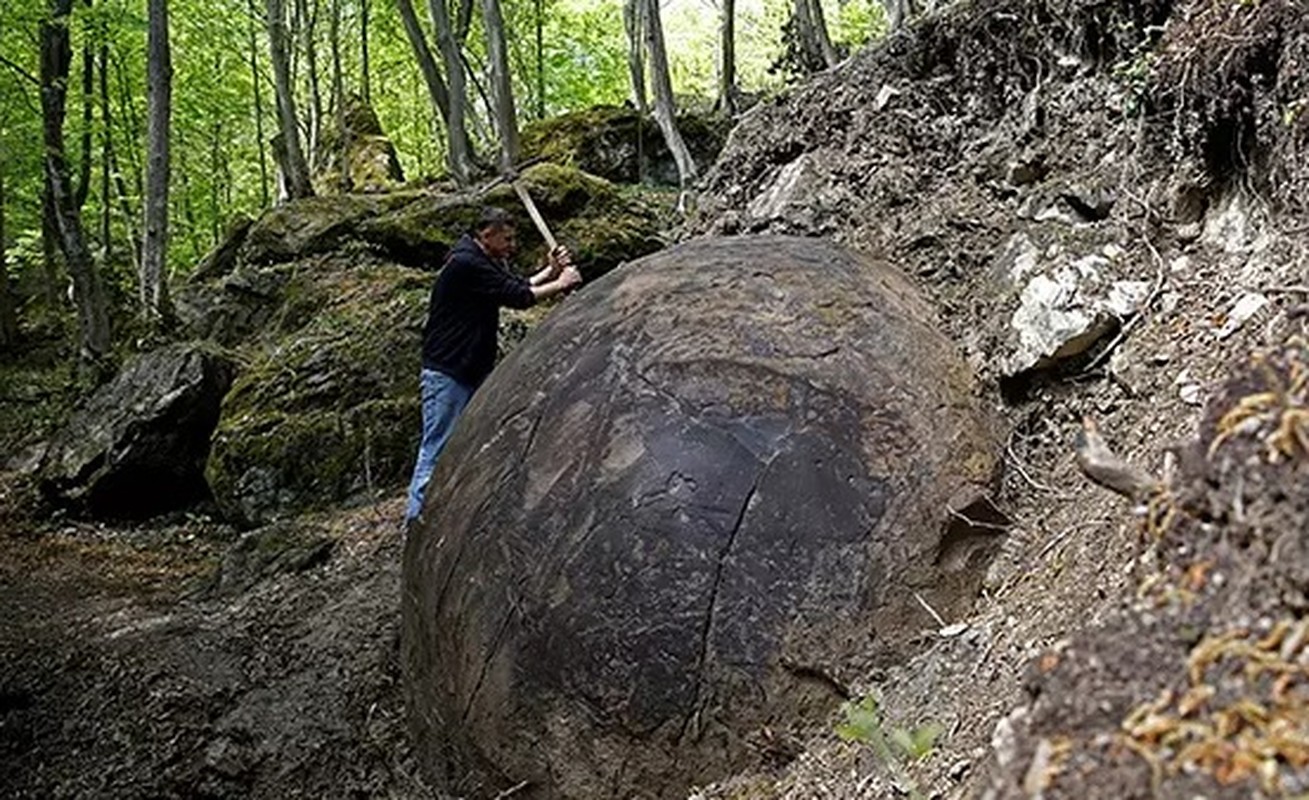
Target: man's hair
{"type": "Point", "coordinates": [492, 217]}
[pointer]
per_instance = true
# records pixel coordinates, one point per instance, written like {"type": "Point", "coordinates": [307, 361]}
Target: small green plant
{"type": "Point", "coordinates": [863, 724]}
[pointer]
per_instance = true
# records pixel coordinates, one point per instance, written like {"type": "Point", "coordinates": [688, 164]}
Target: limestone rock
{"type": "Point", "coordinates": [707, 478]}
{"type": "Point", "coordinates": [137, 447]}
{"type": "Point", "coordinates": [1064, 305]}
{"type": "Point", "coordinates": [359, 159]}
{"type": "Point", "coordinates": [616, 144]}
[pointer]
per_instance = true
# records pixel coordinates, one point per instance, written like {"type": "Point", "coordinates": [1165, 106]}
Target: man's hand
{"type": "Point", "coordinates": [569, 277]}
{"type": "Point", "coordinates": [556, 261]}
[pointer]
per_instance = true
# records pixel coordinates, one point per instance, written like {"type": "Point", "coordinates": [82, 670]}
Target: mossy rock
{"type": "Point", "coordinates": [615, 143]}
{"type": "Point", "coordinates": [312, 225]}
{"type": "Point", "coordinates": [328, 410]}
{"type": "Point", "coordinates": [602, 223]}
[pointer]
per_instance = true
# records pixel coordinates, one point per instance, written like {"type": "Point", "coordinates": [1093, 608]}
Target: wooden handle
{"type": "Point", "coordinates": [535, 215]}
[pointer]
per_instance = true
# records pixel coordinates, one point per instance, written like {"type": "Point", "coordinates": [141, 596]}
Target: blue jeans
{"type": "Point", "coordinates": [444, 399]}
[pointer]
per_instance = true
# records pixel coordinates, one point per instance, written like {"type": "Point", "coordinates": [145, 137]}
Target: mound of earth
{"type": "Point", "coordinates": [1202, 690]}
{"type": "Point", "coordinates": [1104, 201]}
{"type": "Point", "coordinates": [708, 491]}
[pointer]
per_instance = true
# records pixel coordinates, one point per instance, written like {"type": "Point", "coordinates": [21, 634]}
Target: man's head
{"type": "Point", "coordinates": [495, 232]}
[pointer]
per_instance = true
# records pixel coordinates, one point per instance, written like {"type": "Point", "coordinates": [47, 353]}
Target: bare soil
{"type": "Point", "coordinates": [152, 663]}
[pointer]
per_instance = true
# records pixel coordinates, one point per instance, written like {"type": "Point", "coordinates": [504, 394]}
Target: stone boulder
{"type": "Point", "coordinates": [699, 500]}
{"type": "Point", "coordinates": [617, 144]}
{"type": "Point", "coordinates": [602, 224]}
{"type": "Point", "coordinates": [138, 446]}
{"type": "Point", "coordinates": [359, 158]}
{"type": "Point", "coordinates": [326, 410]}
{"type": "Point", "coordinates": [325, 308]}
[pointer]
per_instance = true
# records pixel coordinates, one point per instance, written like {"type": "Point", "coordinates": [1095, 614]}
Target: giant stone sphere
{"type": "Point", "coordinates": [702, 498]}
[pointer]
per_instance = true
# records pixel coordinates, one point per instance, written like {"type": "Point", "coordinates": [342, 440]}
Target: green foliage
{"type": "Point", "coordinates": [863, 724]}
{"type": "Point", "coordinates": [857, 22]}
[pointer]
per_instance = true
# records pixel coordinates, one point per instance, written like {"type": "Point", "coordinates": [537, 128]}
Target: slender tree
{"type": "Point", "coordinates": [811, 28]}
{"type": "Point", "coordinates": [539, 20]}
{"type": "Point", "coordinates": [506, 117]}
{"type": "Point", "coordinates": [308, 16]}
{"type": "Point", "coordinates": [294, 167]}
{"type": "Point", "coordinates": [258, 93]}
{"type": "Point", "coordinates": [83, 186]}
{"type": "Point", "coordinates": [88, 294]}
{"type": "Point", "coordinates": [436, 88]}
{"type": "Point", "coordinates": [112, 167]}
{"type": "Point", "coordinates": [898, 12]}
{"type": "Point", "coordinates": [153, 282]}
{"type": "Point", "coordinates": [727, 70]}
{"type": "Point", "coordinates": [665, 110]}
{"type": "Point", "coordinates": [8, 317]}
{"type": "Point", "coordinates": [634, 23]}
{"type": "Point", "coordinates": [365, 79]}
{"type": "Point", "coordinates": [338, 95]}
{"type": "Point", "coordinates": [459, 151]}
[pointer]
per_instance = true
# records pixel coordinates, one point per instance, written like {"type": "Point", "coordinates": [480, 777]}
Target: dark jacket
{"type": "Point", "coordinates": [463, 314]}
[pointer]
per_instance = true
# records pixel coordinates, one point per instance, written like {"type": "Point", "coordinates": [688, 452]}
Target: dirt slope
{"type": "Point", "coordinates": [1150, 138]}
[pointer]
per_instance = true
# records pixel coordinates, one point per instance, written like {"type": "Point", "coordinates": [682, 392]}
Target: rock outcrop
{"type": "Point", "coordinates": [325, 300]}
{"type": "Point", "coordinates": [137, 447]}
{"type": "Point", "coordinates": [617, 144]}
{"type": "Point", "coordinates": [710, 489]}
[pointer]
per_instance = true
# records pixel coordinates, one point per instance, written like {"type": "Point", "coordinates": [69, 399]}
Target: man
{"type": "Point", "coordinates": [463, 320]}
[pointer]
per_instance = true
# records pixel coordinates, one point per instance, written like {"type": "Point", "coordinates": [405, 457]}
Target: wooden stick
{"type": "Point", "coordinates": [535, 215]}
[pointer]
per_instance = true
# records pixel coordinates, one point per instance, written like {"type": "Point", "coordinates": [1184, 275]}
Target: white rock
{"type": "Point", "coordinates": [1247, 306]}
{"type": "Point", "coordinates": [1125, 297]}
{"type": "Point", "coordinates": [792, 182]}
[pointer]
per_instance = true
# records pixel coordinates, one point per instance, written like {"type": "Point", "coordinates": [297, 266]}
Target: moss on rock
{"type": "Point", "coordinates": [616, 143]}
{"type": "Point", "coordinates": [328, 409]}
{"type": "Point", "coordinates": [604, 224]}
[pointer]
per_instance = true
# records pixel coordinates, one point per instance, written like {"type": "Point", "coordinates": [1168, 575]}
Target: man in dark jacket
{"type": "Point", "coordinates": [463, 319]}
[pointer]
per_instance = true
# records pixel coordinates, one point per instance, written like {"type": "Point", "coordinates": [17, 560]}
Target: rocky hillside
{"type": "Point", "coordinates": [1106, 201]}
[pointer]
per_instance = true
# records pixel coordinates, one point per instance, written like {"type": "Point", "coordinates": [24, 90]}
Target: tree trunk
{"type": "Point", "coordinates": [463, 22]}
{"type": "Point", "coordinates": [727, 72]}
{"type": "Point", "coordinates": [127, 105]}
{"type": "Point", "coordinates": [540, 58]}
{"type": "Point", "coordinates": [898, 13]}
{"type": "Point", "coordinates": [633, 21]}
{"type": "Point", "coordinates": [50, 246]}
{"type": "Point", "coordinates": [662, 85]}
{"type": "Point", "coordinates": [812, 32]}
{"type": "Point", "coordinates": [153, 283]}
{"type": "Point", "coordinates": [88, 294]}
{"type": "Point", "coordinates": [830, 56]}
{"type": "Point", "coordinates": [436, 87]}
{"type": "Point", "coordinates": [338, 95]}
{"type": "Point", "coordinates": [8, 318]}
{"type": "Point", "coordinates": [111, 159]}
{"type": "Point", "coordinates": [106, 147]}
{"type": "Point", "coordinates": [259, 108]}
{"type": "Point", "coordinates": [294, 168]}
{"type": "Point", "coordinates": [506, 117]}
{"type": "Point", "coordinates": [309, 19]}
{"type": "Point", "coordinates": [459, 153]}
{"type": "Point", "coordinates": [365, 81]}
{"type": "Point", "coordinates": [83, 188]}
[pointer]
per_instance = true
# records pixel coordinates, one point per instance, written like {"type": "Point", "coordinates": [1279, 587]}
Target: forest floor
{"type": "Point", "coordinates": [178, 659]}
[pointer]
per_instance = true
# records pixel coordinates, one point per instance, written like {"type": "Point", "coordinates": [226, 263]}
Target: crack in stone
{"type": "Point", "coordinates": [693, 715]}
{"type": "Point", "coordinates": [490, 656]}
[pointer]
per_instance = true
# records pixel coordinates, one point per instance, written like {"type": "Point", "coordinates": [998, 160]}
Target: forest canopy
{"type": "Point", "coordinates": [564, 55]}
